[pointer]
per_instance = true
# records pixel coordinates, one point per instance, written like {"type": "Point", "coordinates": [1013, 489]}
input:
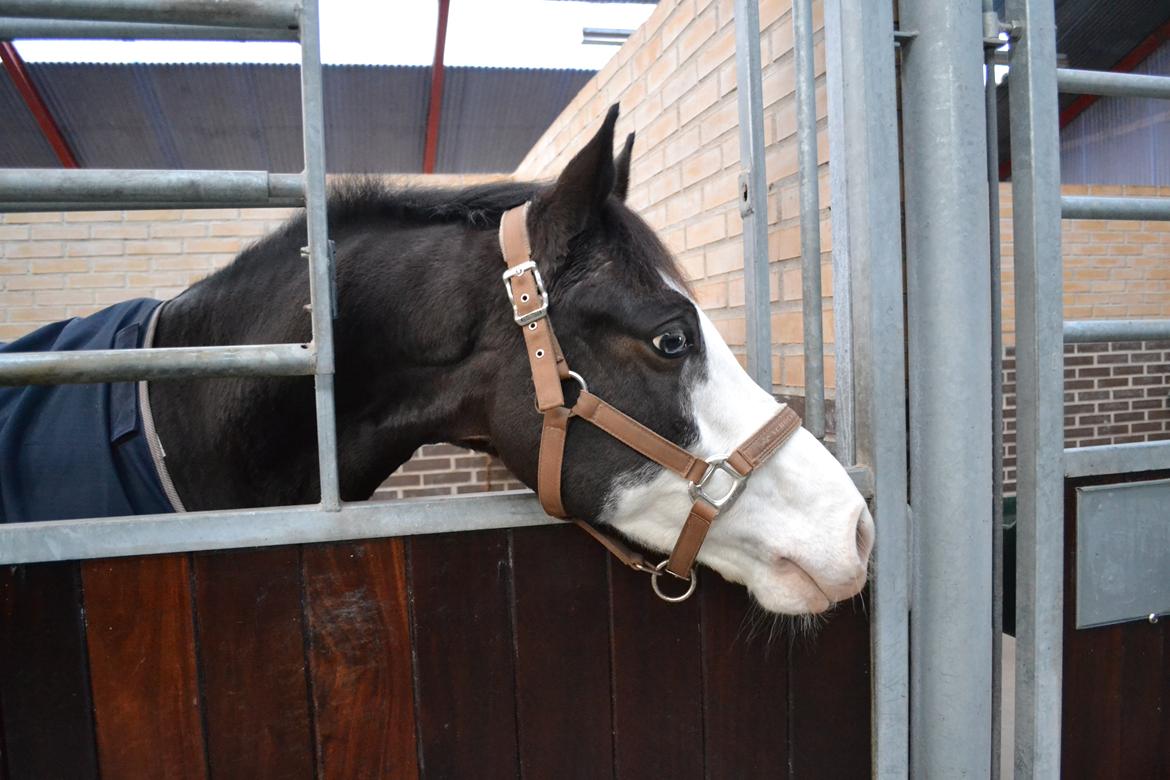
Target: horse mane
{"type": "Point", "coordinates": [358, 200]}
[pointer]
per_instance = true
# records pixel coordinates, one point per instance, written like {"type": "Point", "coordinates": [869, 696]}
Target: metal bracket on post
{"type": "Point", "coordinates": [308, 257]}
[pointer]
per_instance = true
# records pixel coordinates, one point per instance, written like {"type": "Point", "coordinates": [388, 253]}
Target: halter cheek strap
{"type": "Point", "coordinates": [526, 293]}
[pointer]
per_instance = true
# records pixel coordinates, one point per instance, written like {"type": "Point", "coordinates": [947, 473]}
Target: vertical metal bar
{"type": "Point", "coordinates": [845, 395]}
{"type": "Point", "coordinates": [1035, 139]}
{"type": "Point", "coordinates": [810, 218]}
{"type": "Point", "coordinates": [864, 141]}
{"type": "Point", "coordinates": [753, 193]}
{"type": "Point", "coordinates": [990, 34]}
{"type": "Point", "coordinates": [949, 307]}
{"type": "Point", "coordinates": [320, 258]}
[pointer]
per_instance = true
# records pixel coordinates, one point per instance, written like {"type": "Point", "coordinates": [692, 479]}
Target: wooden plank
{"type": "Point", "coordinates": [463, 645]}
{"type": "Point", "coordinates": [252, 663]}
{"type": "Point", "coordinates": [657, 680]}
{"type": "Point", "coordinates": [141, 635]}
{"type": "Point", "coordinates": [359, 640]}
{"type": "Point", "coordinates": [829, 720]}
{"type": "Point", "coordinates": [745, 684]}
{"type": "Point", "coordinates": [46, 716]}
{"type": "Point", "coordinates": [1143, 715]}
{"type": "Point", "coordinates": [562, 653]}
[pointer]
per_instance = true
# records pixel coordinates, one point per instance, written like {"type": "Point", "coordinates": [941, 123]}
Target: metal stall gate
{"type": "Point", "coordinates": [356, 639]}
{"type": "Point", "coordinates": [937, 591]}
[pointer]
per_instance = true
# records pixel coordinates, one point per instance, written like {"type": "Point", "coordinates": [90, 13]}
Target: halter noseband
{"type": "Point", "coordinates": [529, 302]}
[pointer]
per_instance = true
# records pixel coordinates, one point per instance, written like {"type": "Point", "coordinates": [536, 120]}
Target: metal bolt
{"type": "Point", "coordinates": [1153, 617]}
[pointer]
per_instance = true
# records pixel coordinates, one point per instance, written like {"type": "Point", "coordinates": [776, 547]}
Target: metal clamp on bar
{"type": "Point", "coordinates": [13, 28]}
{"type": "Point", "coordinates": [1090, 331]}
{"type": "Point", "coordinates": [1098, 82]}
{"type": "Point", "coordinates": [1097, 207]}
{"type": "Point", "coordinates": [86, 188]}
{"type": "Point", "coordinates": [265, 14]}
{"type": "Point", "coordinates": [124, 365]}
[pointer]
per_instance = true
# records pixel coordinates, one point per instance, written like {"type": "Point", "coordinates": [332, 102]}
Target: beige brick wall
{"type": "Point", "coordinates": [675, 79]}
{"type": "Point", "coordinates": [1113, 269]}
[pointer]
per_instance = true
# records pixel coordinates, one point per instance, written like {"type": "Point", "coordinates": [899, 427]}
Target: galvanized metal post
{"type": "Point", "coordinates": [753, 193]}
{"type": "Point", "coordinates": [1035, 138]}
{"type": "Point", "coordinates": [320, 256]}
{"type": "Point", "coordinates": [863, 141]}
{"type": "Point", "coordinates": [810, 218]}
{"type": "Point", "coordinates": [949, 307]}
{"type": "Point", "coordinates": [991, 31]}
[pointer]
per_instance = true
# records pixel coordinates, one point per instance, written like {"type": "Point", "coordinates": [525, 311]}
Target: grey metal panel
{"type": "Point", "coordinates": [1123, 552]}
{"type": "Point", "coordinates": [493, 116]}
{"type": "Point", "coordinates": [21, 142]}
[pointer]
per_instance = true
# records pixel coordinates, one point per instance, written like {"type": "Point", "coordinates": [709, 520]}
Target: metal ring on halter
{"type": "Point", "coordinates": [693, 581]}
{"type": "Point", "coordinates": [579, 380]}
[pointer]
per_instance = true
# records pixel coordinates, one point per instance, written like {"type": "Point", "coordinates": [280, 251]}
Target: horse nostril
{"type": "Point", "coordinates": [864, 535]}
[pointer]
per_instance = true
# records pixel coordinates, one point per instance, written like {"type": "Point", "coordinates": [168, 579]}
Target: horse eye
{"type": "Point", "coordinates": [672, 343]}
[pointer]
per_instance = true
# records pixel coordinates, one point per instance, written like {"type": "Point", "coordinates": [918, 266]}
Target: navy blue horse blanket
{"type": "Point", "coordinates": [69, 451]}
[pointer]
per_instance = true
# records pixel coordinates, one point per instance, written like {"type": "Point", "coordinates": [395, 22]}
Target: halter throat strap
{"type": "Point", "coordinates": [530, 310]}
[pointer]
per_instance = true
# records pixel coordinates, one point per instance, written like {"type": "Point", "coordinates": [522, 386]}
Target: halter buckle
{"type": "Point", "coordinates": [738, 482]}
{"type": "Point", "coordinates": [539, 312]}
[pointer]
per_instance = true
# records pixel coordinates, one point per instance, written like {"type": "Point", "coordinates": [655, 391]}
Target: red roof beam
{"type": "Point", "coordinates": [18, 72]}
{"type": "Point", "coordinates": [435, 112]}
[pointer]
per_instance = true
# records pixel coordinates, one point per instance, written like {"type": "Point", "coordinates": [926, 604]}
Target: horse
{"type": "Point", "coordinates": [428, 350]}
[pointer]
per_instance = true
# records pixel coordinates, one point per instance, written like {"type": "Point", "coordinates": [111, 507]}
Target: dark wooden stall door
{"type": "Point", "coordinates": [561, 608]}
{"type": "Point", "coordinates": [142, 660]}
{"type": "Point", "coordinates": [252, 664]}
{"type": "Point", "coordinates": [1116, 689]}
{"type": "Point", "coordinates": [359, 629]}
{"type": "Point", "coordinates": [464, 673]}
{"type": "Point", "coordinates": [46, 716]}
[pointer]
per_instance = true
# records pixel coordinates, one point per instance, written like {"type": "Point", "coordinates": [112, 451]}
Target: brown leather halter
{"type": "Point", "coordinates": [529, 302]}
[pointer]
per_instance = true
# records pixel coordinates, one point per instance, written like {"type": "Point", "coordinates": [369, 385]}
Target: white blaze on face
{"type": "Point", "coordinates": [798, 537]}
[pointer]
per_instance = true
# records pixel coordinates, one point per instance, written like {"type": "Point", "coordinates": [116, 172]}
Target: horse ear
{"type": "Point", "coordinates": [586, 181]}
{"type": "Point", "coordinates": [621, 165]}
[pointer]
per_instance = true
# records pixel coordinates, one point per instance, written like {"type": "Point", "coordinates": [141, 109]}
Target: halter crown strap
{"type": "Point", "coordinates": [526, 293]}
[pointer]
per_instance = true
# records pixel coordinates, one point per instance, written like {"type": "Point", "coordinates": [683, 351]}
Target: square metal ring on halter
{"type": "Point", "coordinates": [536, 314]}
{"type": "Point", "coordinates": [738, 481]}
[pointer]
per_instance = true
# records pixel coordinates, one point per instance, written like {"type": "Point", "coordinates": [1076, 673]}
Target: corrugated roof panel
{"type": "Point", "coordinates": [493, 116]}
{"type": "Point", "coordinates": [1121, 140]}
{"type": "Point", "coordinates": [21, 143]}
{"type": "Point", "coordinates": [248, 116]}
{"type": "Point", "coordinates": [376, 118]}
{"type": "Point", "coordinates": [107, 113]}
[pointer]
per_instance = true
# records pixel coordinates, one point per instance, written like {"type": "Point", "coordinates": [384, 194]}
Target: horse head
{"type": "Point", "coordinates": [800, 534]}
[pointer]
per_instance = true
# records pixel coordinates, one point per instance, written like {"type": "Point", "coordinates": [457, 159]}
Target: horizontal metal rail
{"type": "Point", "coordinates": [1090, 331]}
{"type": "Point", "coordinates": [123, 365]}
{"type": "Point", "coordinates": [12, 28]}
{"type": "Point", "coordinates": [1099, 82]}
{"type": "Point", "coordinates": [91, 187]}
{"type": "Point", "coordinates": [17, 207]}
{"type": "Point", "coordinates": [64, 540]}
{"type": "Point", "coordinates": [1096, 207]}
{"type": "Point", "coordinates": [267, 14]}
{"type": "Point", "coordinates": [1116, 458]}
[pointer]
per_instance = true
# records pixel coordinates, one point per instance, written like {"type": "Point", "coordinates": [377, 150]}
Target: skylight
{"type": "Point", "coordinates": [501, 33]}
